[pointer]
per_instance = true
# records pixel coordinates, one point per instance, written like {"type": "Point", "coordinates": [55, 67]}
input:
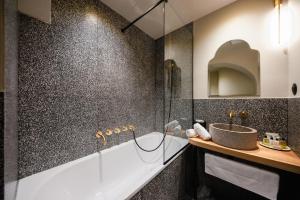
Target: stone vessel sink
{"type": "Point", "coordinates": [234, 136]}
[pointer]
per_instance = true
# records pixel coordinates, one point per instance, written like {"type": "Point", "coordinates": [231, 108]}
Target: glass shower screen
{"type": "Point", "coordinates": [178, 81]}
{"type": "Point", "coordinates": [166, 68]}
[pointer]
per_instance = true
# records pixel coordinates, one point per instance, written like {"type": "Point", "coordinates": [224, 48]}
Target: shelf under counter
{"type": "Point", "coordinates": [285, 160]}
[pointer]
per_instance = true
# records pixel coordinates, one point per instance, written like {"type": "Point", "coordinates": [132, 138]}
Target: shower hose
{"type": "Point", "coordinates": [165, 131]}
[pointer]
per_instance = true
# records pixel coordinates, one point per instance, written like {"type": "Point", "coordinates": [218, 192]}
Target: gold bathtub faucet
{"type": "Point", "coordinates": [117, 130]}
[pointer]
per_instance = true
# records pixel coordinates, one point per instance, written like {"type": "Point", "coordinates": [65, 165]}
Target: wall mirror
{"type": "Point", "coordinates": [234, 71]}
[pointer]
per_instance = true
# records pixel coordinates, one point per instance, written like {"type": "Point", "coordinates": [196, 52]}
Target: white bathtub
{"type": "Point", "coordinates": [113, 174]}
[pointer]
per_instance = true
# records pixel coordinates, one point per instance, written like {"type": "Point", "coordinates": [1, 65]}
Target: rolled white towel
{"type": "Point", "coordinates": [202, 132]}
{"type": "Point", "coordinates": [190, 133]}
{"type": "Point", "coordinates": [171, 125]}
{"type": "Point", "coordinates": [177, 130]}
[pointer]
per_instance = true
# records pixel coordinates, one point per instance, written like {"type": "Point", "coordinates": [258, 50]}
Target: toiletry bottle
{"type": "Point", "coordinates": [266, 140]}
{"type": "Point", "coordinates": [271, 141]}
{"type": "Point", "coordinates": [276, 142]}
{"type": "Point", "coordinates": [282, 143]}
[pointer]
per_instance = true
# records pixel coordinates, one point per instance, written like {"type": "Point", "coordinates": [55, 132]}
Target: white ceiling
{"type": "Point", "coordinates": [178, 13]}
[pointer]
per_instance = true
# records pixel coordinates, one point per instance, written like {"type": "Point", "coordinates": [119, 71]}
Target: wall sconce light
{"type": "Point", "coordinates": [277, 4]}
{"type": "Point", "coordinates": [281, 24]}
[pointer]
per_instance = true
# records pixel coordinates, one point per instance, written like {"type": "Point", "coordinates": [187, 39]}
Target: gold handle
{"type": "Point", "coordinates": [243, 114]}
{"type": "Point", "coordinates": [124, 128]}
{"type": "Point", "coordinates": [117, 130]}
{"type": "Point", "coordinates": [108, 132]}
{"type": "Point", "coordinates": [131, 127]}
{"type": "Point", "coordinates": [99, 134]}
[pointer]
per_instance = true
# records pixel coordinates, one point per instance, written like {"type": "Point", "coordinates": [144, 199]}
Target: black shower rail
{"type": "Point", "coordinates": [137, 19]}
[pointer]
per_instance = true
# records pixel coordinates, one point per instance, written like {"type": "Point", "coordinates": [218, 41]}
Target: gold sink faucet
{"type": "Point", "coordinates": [231, 115]}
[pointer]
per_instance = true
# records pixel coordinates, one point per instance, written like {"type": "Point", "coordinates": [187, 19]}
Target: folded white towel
{"type": "Point", "coordinates": [177, 130]}
{"type": "Point", "coordinates": [171, 125]}
{"type": "Point", "coordinates": [190, 133]}
{"type": "Point", "coordinates": [202, 132]}
{"type": "Point", "coordinates": [251, 178]}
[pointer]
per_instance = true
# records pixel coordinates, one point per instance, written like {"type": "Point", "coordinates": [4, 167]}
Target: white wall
{"type": "Point", "coordinates": [248, 20]}
{"type": "Point", "coordinates": [294, 48]}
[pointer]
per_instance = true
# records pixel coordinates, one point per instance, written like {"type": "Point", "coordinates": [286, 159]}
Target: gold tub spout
{"type": "Point", "coordinates": [100, 135]}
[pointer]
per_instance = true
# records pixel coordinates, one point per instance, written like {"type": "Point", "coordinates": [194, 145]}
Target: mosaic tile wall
{"type": "Point", "coordinates": [294, 124]}
{"type": "Point", "coordinates": [165, 186]}
{"type": "Point", "coordinates": [1, 145]}
{"type": "Point", "coordinates": [10, 98]}
{"type": "Point", "coordinates": [265, 115]}
{"type": "Point", "coordinates": [76, 76]}
{"type": "Point", "coordinates": [175, 182]}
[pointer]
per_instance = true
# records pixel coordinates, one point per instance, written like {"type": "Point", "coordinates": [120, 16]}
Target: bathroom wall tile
{"type": "Point", "coordinates": [137, 196]}
{"type": "Point", "coordinates": [264, 114]}
{"type": "Point", "coordinates": [182, 110]}
{"type": "Point", "coordinates": [168, 185]}
{"type": "Point", "coordinates": [219, 108]}
{"type": "Point", "coordinates": [76, 76]}
{"type": "Point", "coordinates": [201, 110]}
{"type": "Point", "coordinates": [294, 124]}
{"type": "Point", "coordinates": [1, 145]}
{"type": "Point", "coordinates": [10, 98]}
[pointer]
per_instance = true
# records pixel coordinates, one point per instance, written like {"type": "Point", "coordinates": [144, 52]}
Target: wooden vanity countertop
{"type": "Point", "coordinates": [285, 160]}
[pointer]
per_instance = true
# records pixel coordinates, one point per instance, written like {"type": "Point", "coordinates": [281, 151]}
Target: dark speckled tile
{"type": "Point", "coordinates": [168, 185]}
{"type": "Point", "coordinates": [76, 76]}
{"type": "Point", "coordinates": [219, 109]}
{"type": "Point", "coordinates": [181, 110]}
{"type": "Point", "coordinates": [264, 114]}
{"type": "Point", "coordinates": [10, 98]}
{"type": "Point", "coordinates": [138, 196]}
{"type": "Point", "coordinates": [1, 145]}
{"type": "Point", "coordinates": [294, 124]}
